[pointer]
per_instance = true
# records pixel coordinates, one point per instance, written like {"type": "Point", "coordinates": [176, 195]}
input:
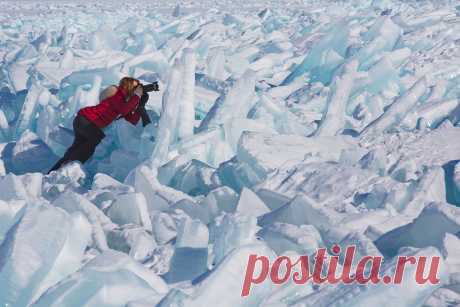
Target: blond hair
{"type": "Point", "coordinates": [128, 84]}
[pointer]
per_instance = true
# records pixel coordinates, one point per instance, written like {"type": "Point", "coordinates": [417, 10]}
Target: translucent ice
{"type": "Point", "coordinates": [334, 120]}
{"type": "Point", "coordinates": [158, 196]}
{"type": "Point", "coordinates": [191, 250]}
{"type": "Point", "coordinates": [281, 237]}
{"type": "Point", "coordinates": [279, 128]}
{"type": "Point", "coordinates": [186, 119]}
{"type": "Point", "coordinates": [446, 218]}
{"type": "Point", "coordinates": [231, 231]}
{"type": "Point", "coordinates": [258, 150]}
{"type": "Point", "coordinates": [236, 104]}
{"type": "Point", "coordinates": [27, 113]}
{"type": "Point", "coordinates": [250, 204]}
{"type": "Point", "coordinates": [408, 293]}
{"type": "Point", "coordinates": [28, 154]}
{"type": "Point", "coordinates": [111, 279]}
{"type": "Point", "coordinates": [73, 202]}
{"type": "Point", "coordinates": [397, 110]}
{"type": "Point", "coordinates": [223, 285]}
{"type": "Point", "coordinates": [130, 209]}
{"type": "Point", "coordinates": [41, 249]}
{"type": "Point", "coordinates": [132, 239]}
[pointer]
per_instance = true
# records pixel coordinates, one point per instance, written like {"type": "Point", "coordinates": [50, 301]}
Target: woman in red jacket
{"type": "Point", "coordinates": [122, 102]}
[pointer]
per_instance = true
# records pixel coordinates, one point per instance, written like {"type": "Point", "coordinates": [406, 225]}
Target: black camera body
{"type": "Point", "coordinates": [152, 87]}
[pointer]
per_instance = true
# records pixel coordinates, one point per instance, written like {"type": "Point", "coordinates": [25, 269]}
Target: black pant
{"type": "Point", "coordinates": [87, 137]}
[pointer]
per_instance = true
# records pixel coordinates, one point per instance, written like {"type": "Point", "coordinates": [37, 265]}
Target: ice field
{"type": "Point", "coordinates": [280, 127]}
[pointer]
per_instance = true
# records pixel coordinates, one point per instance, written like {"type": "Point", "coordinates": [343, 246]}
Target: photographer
{"type": "Point", "coordinates": [125, 101]}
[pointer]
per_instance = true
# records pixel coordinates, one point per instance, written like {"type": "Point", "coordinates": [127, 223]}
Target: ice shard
{"type": "Point", "coordinates": [236, 104]}
{"type": "Point", "coordinates": [41, 249]}
{"type": "Point", "coordinates": [398, 110]}
{"type": "Point", "coordinates": [186, 120]}
{"type": "Point", "coordinates": [334, 121]}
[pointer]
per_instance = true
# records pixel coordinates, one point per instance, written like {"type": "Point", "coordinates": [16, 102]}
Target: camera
{"type": "Point", "coordinates": [152, 87]}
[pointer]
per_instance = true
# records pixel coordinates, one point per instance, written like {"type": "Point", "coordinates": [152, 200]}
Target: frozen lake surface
{"type": "Point", "coordinates": [280, 127]}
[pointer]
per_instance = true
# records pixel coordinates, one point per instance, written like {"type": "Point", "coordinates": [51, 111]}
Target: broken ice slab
{"type": "Point", "coordinates": [111, 279]}
{"type": "Point", "coordinates": [250, 204]}
{"type": "Point", "coordinates": [397, 110]}
{"type": "Point", "coordinates": [48, 119]}
{"type": "Point", "coordinates": [130, 209]}
{"type": "Point", "coordinates": [269, 61]}
{"type": "Point", "coordinates": [196, 211]}
{"type": "Point", "coordinates": [272, 199]}
{"type": "Point", "coordinates": [164, 227]}
{"type": "Point", "coordinates": [236, 175]}
{"type": "Point", "coordinates": [28, 154]}
{"type": "Point", "coordinates": [407, 293]}
{"type": "Point", "coordinates": [83, 77]}
{"type": "Point", "coordinates": [193, 177]}
{"type": "Point", "coordinates": [61, 135]}
{"type": "Point", "coordinates": [431, 187]}
{"type": "Point", "coordinates": [105, 182]}
{"type": "Point", "coordinates": [363, 197]}
{"type": "Point", "coordinates": [73, 202]}
{"type": "Point", "coordinates": [128, 135]}
{"type": "Point", "coordinates": [41, 249]}
{"type": "Point", "coordinates": [192, 233]}
{"type": "Point", "coordinates": [326, 55]}
{"type": "Point", "coordinates": [222, 286]}
{"type": "Point", "coordinates": [186, 120]}
{"type": "Point", "coordinates": [191, 252]}
{"type": "Point", "coordinates": [284, 91]}
{"type": "Point", "coordinates": [282, 237]}
{"type": "Point", "coordinates": [233, 130]}
{"type": "Point", "coordinates": [158, 196]}
{"type": "Point", "coordinates": [236, 104]}
{"type": "Point", "coordinates": [302, 211]}
{"type": "Point", "coordinates": [215, 64]}
{"type": "Point", "coordinates": [442, 218]}
{"type": "Point", "coordinates": [18, 74]}
{"type": "Point", "coordinates": [333, 122]}
{"type": "Point", "coordinates": [167, 126]}
{"type": "Point", "coordinates": [187, 263]}
{"type": "Point", "coordinates": [382, 36]}
{"type": "Point", "coordinates": [216, 86]}
{"type": "Point", "coordinates": [104, 38]}
{"type": "Point", "coordinates": [451, 252]}
{"type": "Point", "coordinates": [132, 240]}
{"type": "Point", "coordinates": [10, 213]}
{"type": "Point", "coordinates": [105, 190]}
{"type": "Point", "coordinates": [283, 118]}
{"type": "Point", "coordinates": [443, 297]}
{"type": "Point", "coordinates": [209, 147]}
{"type": "Point", "coordinates": [4, 127]}
{"type": "Point", "coordinates": [264, 153]}
{"type": "Point", "coordinates": [221, 199]}
{"type": "Point", "coordinates": [24, 187]}
{"type": "Point", "coordinates": [431, 114]}
{"type": "Point", "coordinates": [230, 231]}
{"type": "Point", "coordinates": [204, 99]}
{"type": "Point", "coordinates": [364, 247]}
{"type": "Point", "coordinates": [29, 109]}
{"type": "Point", "coordinates": [70, 177]}
{"type": "Point", "coordinates": [419, 147]}
{"type": "Point", "coordinates": [55, 72]}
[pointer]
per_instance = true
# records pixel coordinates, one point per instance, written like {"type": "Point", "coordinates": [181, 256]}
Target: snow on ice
{"type": "Point", "coordinates": [280, 127]}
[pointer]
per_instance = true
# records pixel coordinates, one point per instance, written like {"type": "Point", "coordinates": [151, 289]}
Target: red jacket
{"type": "Point", "coordinates": [111, 108]}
